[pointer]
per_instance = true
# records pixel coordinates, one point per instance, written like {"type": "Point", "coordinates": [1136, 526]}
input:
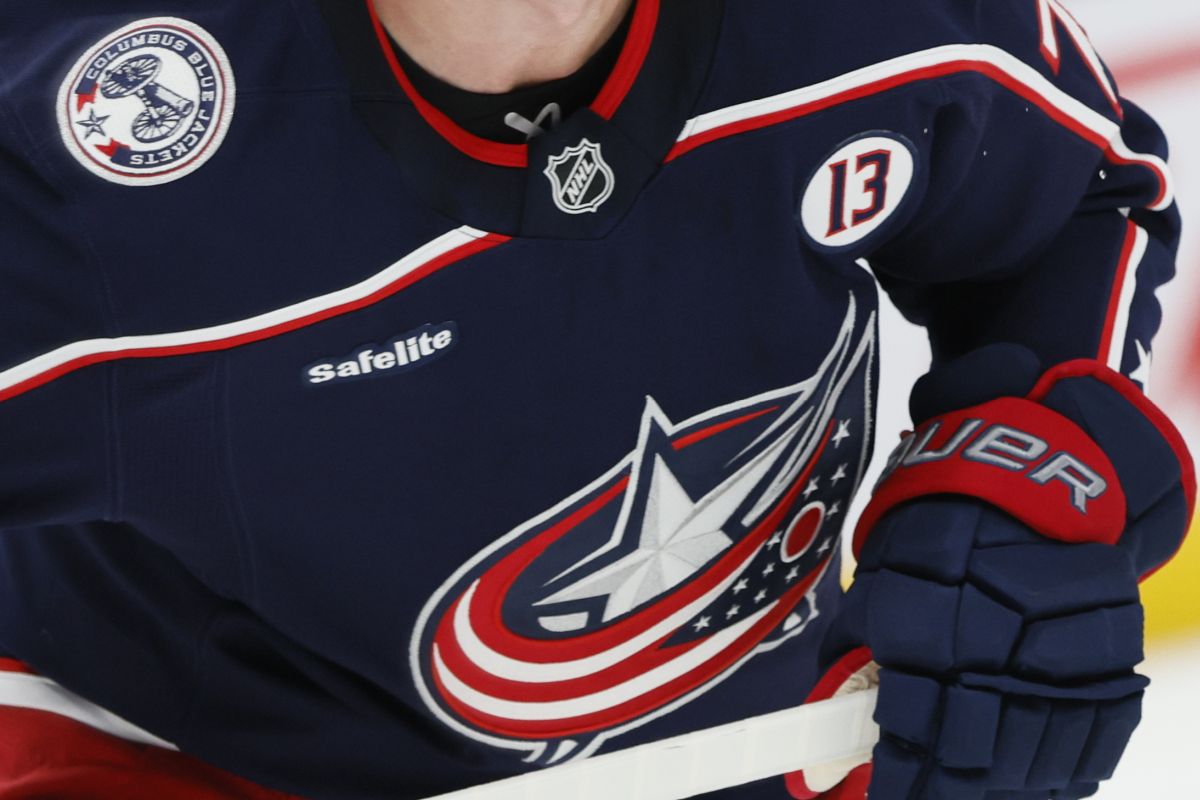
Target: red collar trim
{"type": "Point", "coordinates": [629, 65]}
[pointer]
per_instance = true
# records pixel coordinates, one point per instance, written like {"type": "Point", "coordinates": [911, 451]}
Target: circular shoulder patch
{"type": "Point", "coordinates": [858, 188]}
{"type": "Point", "coordinates": [149, 103]}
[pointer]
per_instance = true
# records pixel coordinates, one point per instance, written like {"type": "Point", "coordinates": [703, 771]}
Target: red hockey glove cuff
{"type": "Point", "coordinates": [1080, 458]}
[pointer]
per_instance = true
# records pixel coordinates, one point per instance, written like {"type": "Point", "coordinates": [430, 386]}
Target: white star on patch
{"type": "Point", "coordinates": [677, 540]}
{"type": "Point", "coordinates": [843, 432]}
{"type": "Point", "coordinates": [795, 573]}
{"type": "Point", "coordinates": [840, 475]}
{"type": "Point", "coordinates": [834, 509]}
{"type": "Point", "coordinates": [825, 547]}
{"type": "Point", "coordinates": [811, 488]}
{"type": "Point", "coordinates": [1142, 373]}
{"type": "Point", "coordinates": [762, 595]}
{"type": "Point", "coordinates": [733, 612]}
{"type": "Point", "coordinates": [702, 623]}
{"type": "Point", "coordinates": [741, 586]}
{"type": "Point", "coordinates": [775, 540]}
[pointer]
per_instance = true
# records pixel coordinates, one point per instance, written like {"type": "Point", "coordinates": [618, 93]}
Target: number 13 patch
{"type": "Point", "coordinates": [858, 189]}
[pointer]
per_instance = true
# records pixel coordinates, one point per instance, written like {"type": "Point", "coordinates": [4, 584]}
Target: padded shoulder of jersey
{"type": "Point", "coordinates": [268, 49]}
{"type": "Point", "coordinates": [773, 46]}
{"type": "Point", "coordinates": [272, 45]}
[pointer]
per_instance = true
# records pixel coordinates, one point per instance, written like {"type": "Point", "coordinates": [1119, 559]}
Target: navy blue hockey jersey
{"type": "Point", "coordinates": [364, 457]}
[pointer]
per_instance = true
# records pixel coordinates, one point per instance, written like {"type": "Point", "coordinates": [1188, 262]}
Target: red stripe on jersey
{"type": "Point", "coordinates": [44, 755]}
{"type": "Point", "coordinates": [469, 249]}
{"type": "Point", "coordinates": [495, 585]}
{"type": "Point", "coordinates": [1112, 157]}
{"type": "Point", "coordinates": [886, 84]}
{"type": "Point", "coordinates": [707, 433]}
{"type": "Point", "coordinates": [638, 706]}
{"type": "Point", "coordinates": [957, 66]}
{"type": "Point", "coordinates": [1114, 303]}
{"type": "Point", "coordinates": [634, 666]}
{"type": "Point", "coordinates": [11, 665]}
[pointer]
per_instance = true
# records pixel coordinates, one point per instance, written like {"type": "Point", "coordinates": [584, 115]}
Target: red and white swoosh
{"type": "Point", "coordinates": [560, 687]}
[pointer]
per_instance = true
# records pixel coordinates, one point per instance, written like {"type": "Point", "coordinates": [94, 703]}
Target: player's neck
{"type": "Point", "coordinates": [496, 46]}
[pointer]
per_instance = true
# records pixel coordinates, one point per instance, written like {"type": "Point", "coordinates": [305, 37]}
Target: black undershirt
{"type": "Point", "coordinates": [484, 114]}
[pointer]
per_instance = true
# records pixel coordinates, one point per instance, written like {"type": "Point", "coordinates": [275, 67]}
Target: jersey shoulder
{"type": "Point", "coordinates": [775, 46]}
{"type": "Point", "coordinates": [100, 96]}
{"type": "Point", "coordinates": [43, 39]}
{"type": "Point", "coordinates": [168, 57]}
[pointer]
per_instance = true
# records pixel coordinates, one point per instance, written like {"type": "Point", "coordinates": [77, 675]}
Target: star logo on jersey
{"type": "Point", "coordinates": [581, 179]}
{"type": "Point", "coordinates": [93, 125]}
{"type": "Point", "coordinates": [697, 552]}
{"type": "Point", "coordinates": [149, 103]}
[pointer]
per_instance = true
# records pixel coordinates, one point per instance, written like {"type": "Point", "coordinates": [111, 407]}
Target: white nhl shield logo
{"type": "Point", "coordinates": [581, 178]}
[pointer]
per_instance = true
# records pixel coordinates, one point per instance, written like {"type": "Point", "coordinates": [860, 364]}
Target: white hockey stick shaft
{"type": "Point", "coordinates": [828, 734]}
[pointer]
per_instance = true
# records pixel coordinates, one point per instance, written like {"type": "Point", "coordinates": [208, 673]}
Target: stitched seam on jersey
{"type": "Point", "coordinates": [47, 171]}
{"type": "Point", "coordinates": [25, 139]}
{"type": "Point", "coordinates": [920, 218]}
{"type": "Point", "coordinates": [309, 19]}
{"type": "Point", "coordinates": [380, 97]}
{"type": "Point", "coordinates": [272, 91]}
{"type": "Point", "coordinates": [102, 286]}
{"type": "Point", "coordinates": [114, 453]}
{"type": "Point", "coordinates": [203, 633]}
{"type": "Point", "coordinates": [227, 472]}
{"type": "Point", "coordinates": [114, 456]}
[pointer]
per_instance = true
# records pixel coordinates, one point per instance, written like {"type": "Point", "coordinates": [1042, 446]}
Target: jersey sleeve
{"type": "Point", "coordinates": [1048, 218]}
{"type": "Point", "coordinates": [52, 430]}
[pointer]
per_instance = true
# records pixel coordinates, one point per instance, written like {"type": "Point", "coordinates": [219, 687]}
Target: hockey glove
{"type": "Point", "coordinates": [997, 586]}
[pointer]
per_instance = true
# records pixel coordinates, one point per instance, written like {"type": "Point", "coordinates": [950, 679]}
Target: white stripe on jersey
{"type": "Point", "coordinates": [20, 690]}
{"type": "Point", "coordinates": [1016, 74]}
{"type": "Point", "coordinates": [1116, 351]}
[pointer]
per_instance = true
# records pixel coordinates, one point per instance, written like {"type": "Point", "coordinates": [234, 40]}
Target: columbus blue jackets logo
{"type": "Point", "coordinates": [581, 179]}
{"type": "Point", "coordinates": [696, 553]}
{"type": "Point", "coordinates": [149, 103]}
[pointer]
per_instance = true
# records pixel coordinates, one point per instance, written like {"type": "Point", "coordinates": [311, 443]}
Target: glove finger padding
{"type": "Point", "coordinates": [1009, 657]}
{"type": "Point", "coordinates": [990, 746]}
{"type": "Point", "coordinates": [1004, 601]}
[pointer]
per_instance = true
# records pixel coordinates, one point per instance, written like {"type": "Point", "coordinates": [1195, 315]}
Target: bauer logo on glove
{"type": "Point", "coordinates": [1019, 455]}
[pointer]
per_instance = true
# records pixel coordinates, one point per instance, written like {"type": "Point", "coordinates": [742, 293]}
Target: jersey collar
{"type": "Point", "coordinates": [504, 188]}
{"type": "Point", "coordinates": [622, 78]}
